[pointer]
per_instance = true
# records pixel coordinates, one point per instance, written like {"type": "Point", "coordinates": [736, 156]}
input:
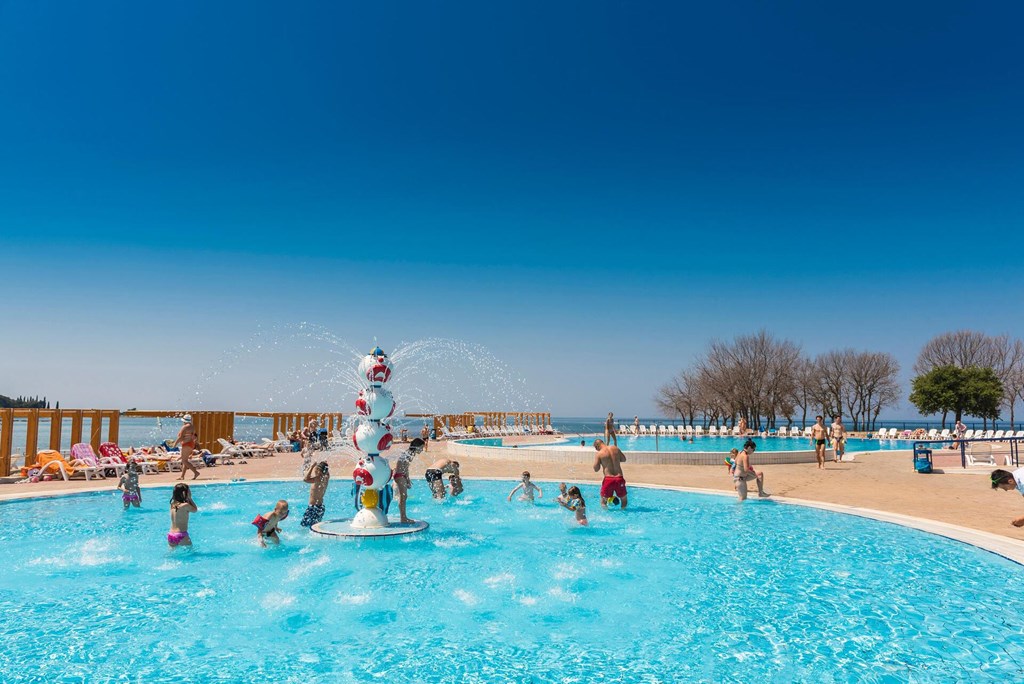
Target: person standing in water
{"type": "Point", "coordinates": [318, 476]}
{"type": "Point", "coordinates": [181, 506]}
{"type": "Point", "coordinates": [609, 429]}
{"type": "Point", "coordinates": [837, 433]}
{"type": "Point", "coordinates": [187, 438]}
{"type": "Point", "coordinates": [528, 489]}
{"type": "Point", "coordinates": [574, 502]}
{"type": "Point", "coordinates": [610, 460]}
{"type": "Point", "coordinates": [129, 484]}
{"type": "Point", "coordinates": [400, 480]}
{"type": "Point", "coordinates": [267, 525]}
{"type": "Point", "coordinates": [819, 438]}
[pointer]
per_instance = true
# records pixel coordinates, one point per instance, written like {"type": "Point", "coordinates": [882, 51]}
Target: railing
{"type": "Point", "coordinates": [210, 425]}
{"type": "Point", "coordinates": [966, 447]}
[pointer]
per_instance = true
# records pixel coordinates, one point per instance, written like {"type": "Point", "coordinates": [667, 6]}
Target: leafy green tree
{"type": "Point", "coordinates": [969, 391]}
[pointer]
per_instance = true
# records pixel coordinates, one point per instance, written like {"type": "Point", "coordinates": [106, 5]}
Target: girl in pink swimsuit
{"type": "Point", "coordinates": [181, 506]}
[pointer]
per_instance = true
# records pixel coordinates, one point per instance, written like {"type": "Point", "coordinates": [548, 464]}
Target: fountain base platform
{"type": "Point", "coordinates": [343, 528]}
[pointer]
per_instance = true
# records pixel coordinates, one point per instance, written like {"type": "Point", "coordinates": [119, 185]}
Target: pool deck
{"type": "Point", "coordinates": [881, 485]}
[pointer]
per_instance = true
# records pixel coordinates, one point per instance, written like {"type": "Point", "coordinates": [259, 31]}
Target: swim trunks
{"type": "Point", "coordinates": [821, 442]}
{"type": "Point", "coordinates": [176, 538]}
{"type": "Point", "coordinates": [613, 484]}
{"type": "Point", "coordinates": [129, 497]}
{"type": "Point", "coordinates": [314, 514]}
{"type": "Point", "coordinates": [433, 475]}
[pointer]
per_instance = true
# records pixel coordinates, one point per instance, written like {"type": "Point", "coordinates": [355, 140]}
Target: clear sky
{"type": "Point", "coordinates": [590, 190]}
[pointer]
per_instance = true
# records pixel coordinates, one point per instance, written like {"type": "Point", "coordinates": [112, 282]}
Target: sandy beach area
{"type": "Point", "coordinates": [880, 481]}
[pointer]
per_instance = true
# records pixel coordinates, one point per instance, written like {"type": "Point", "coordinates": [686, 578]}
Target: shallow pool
{"type": "Point", "coordinates": [682, 587]}
{"type": "Point", "coordinates": [706, 443]}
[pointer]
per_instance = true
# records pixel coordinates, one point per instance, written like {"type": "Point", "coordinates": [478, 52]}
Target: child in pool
{"type": "Point", "coordinates": [575, 503]}
{"type": "Point", "coordinates": [318, 477]}
{"type": "Point", "coordinates": [528, 489]}
{"type": "Point", "coordinates": [267, 525]}
{"type": "Point", "coordinates": [563, 496]}
{"type": "Point", "coordinates": [129, 484]}
{"type": "Point", "coordinates": [181, 506]}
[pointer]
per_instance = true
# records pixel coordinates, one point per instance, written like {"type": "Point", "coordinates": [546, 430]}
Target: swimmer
{"type": "Point", "coordinates": [434, 476]}
{"type": "Point", "coordinates": [610, 460]}
{"type": "Point", "coordinates": [400, 480]}
{"type": "Point", "coordinates": [181, 506]}
{"type": "Point", "coordinates": [575, 503]}
{"type": "Point", "coordinates": [318, 477]}
{"type": "Point", "coordinates": [563, 495]}
{"type": "Point", "coordinates": [267, 525]}
{"type": "Point", "coordinates": [528, 489]}
{"type": "Point", "coordinates": [129, 484]}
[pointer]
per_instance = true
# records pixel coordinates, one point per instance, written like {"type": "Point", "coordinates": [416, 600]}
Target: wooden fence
{"type": "Point", "coordinates": [210, 425]}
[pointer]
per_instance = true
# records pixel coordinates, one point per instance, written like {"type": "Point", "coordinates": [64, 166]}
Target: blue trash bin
{"type": "Point", "coordinates": [923, 460]}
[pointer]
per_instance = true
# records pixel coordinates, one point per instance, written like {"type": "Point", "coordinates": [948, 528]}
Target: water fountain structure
{"type": "Point", "coordinates": [371, 478]}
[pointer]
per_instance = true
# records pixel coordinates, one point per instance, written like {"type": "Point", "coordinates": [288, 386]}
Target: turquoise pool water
{"type": "Point", "coordinates": [682, 587]}
{"type": "Point", "coordinates": [723, 444]}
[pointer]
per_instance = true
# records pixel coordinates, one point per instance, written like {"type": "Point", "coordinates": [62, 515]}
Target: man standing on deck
{"type": "Point", "coordinates": [636, 425]}
{"type": "Point", "coordinates": [610, 459]}
{"type": "Point", "coordinates": [819, 438]}
{"type": "Point", "coordinates": [609, 429]}
{"type": "Point", "coordinates": [838, 436]}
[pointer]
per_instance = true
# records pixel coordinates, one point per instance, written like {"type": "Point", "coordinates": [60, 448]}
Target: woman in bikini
{"type": "Point", "coordinates": [187, 438]}
{"type": "Point", "coordinates": [181, 506]}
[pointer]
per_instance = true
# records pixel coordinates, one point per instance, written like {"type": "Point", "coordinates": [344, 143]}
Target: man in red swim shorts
{"type": "Point", "coordinates": [610, 459]}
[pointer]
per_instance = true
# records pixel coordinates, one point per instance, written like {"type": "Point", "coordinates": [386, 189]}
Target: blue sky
{"type": "Point", "coordinates": [577, 187]}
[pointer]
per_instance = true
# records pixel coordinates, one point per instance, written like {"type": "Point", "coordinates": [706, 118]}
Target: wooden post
{"type": "Point", "coordinates": [6, 440]}
{"type": "Point", "coordinates": [76, 426]}
{"type": "Point", "coordinates": [32, 436]}
{"type": "Point", "coordinates": [56, 425]}
{"type": "Point", "coordinates": [114, 427]}
{"type": "Point", "coordinates": [95, 429]}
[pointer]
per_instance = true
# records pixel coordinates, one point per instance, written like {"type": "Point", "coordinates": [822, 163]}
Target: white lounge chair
{"type": "Point", "coordinates": [988, 434]}
{"type": "Point", "coordinates": [698, 430]}
{"type": "Point", "coordinates": [944, 434]}
{"type": "Point", "coordinates": [998, 434]}
{"type": "Point", "coordinates": [1020, 433]}
{"type": "Point", "coordinates": [713, 431]}
{"type": "Point", "coordinates": [980, 454]}
{"type": "Point", "coordinates": [933, 434]}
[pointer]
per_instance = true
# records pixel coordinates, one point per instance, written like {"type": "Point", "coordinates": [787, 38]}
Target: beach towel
{"type": "Point", "coordinates": [44, 461]}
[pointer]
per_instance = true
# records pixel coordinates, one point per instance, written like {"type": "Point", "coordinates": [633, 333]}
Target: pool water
{"type": "Point", "coordinates": [722, 444]}
{"type": "Point", "coordinates": [681, 587]}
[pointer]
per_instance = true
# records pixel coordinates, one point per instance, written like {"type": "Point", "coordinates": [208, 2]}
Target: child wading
{"type": "Point", "coordinates": [267, 525]}
{"type": "Point", "coordinates": [129, 484]}
{"type": "Point", "coordinates": [181, 506]}
{"type": "Point", "coordinates": [575, 503]}
{"type": "Point", "coordinates": [318, 477]}
{"type": "Point", "coordinates": [528, 489]}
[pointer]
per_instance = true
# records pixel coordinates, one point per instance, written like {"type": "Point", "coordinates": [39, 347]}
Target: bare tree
{"type": "Point", "coordinates": [1009, 369]}
{"type": "Point", "coordinates": [961, 348]}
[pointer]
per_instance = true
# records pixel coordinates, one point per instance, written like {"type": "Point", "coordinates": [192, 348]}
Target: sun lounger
{"type": "Point", "coordinates": [944, 434]}
{"type": "Point", "coordinates": [933, 434]}
{"type": "Point", "coordinates": [698, 430]}
{"type": "Point", "coordinates": [53, 463]}
{"type": "Point", "coordinates": [85, 459]}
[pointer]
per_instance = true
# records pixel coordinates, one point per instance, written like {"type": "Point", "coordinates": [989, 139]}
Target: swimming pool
{"type": "Point", "coordinates": [704, 444]}
{"type": "Point", "coordinates": [682, 587]}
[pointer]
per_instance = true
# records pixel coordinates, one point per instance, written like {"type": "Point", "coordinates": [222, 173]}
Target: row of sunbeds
{"type": "Point", "coordinates": [497, 431]}
{"type": "Point", "coordinates": [920, 433]}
